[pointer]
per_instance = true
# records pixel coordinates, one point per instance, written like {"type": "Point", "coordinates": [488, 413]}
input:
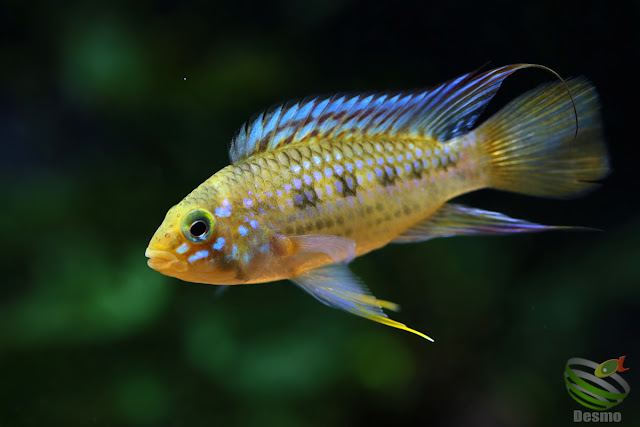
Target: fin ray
{"type": "Point", "coordinates": [531, 146]}
{"type": "Point", "coordinates": [456, 220]}
{"type": "Point", "coordinates": [443, 112]}
{"type": "Point", "coordinates": [336, 286]}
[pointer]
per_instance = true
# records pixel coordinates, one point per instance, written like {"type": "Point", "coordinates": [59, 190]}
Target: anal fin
{"type": "Point", "coordinates": [456, 220]}
{"type": "Point", "coordinates": [336, 286]}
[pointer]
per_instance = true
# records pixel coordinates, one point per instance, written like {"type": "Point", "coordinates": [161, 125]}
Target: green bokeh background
{"type": "Point", "coordinates": [111, 112]}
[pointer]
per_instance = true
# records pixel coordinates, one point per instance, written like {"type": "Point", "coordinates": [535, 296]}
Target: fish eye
{"type": "Point", "coordinates": [198, 229]}
{"type": "Point", "coordinates": [197, 226]}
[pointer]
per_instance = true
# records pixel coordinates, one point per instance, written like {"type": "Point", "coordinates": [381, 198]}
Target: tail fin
{"type": "Point", "coordinates": [530, 143]}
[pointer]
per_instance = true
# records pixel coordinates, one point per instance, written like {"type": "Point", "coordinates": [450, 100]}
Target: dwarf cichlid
{"type": "Point", "coordinates": [315, 183]}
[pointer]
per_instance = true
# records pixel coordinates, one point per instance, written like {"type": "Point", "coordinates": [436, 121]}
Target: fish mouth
{"type": "Point", "coordinates": [163, 261]}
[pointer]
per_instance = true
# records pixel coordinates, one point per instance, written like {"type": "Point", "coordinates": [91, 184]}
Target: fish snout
{"type": "Point", "coordinates": [163, 260]}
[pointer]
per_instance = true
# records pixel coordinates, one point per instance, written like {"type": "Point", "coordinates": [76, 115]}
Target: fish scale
{"type": "Point", "coordinates": [301, 184]}
{"type": "Point", "coordinates": [315, 183]}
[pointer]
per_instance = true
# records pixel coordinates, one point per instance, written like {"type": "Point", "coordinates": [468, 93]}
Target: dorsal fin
{"type": "Point", "coordinates": [443, 112]}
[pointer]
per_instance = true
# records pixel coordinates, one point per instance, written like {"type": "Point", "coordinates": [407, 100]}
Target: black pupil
{"type": "Point", "coordinates": [198, 228]}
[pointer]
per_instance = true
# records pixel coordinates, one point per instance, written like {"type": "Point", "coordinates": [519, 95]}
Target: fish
{"type": "Point", "coordinates": [610, 367]}
{"type": "Point", "coordinates": [317, 182]}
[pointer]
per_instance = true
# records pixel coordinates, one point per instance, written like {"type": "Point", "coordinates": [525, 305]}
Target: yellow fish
{"type": "Point", "coordinates": [315, 183]}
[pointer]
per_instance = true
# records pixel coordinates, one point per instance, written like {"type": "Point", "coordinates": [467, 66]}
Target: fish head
{"type": "Point", "coordinates": [190, 245]}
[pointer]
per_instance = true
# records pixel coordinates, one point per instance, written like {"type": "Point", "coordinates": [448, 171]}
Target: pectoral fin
{"type": "Point", "coordinates": [455, 220]}
{"type": "Point", "coordinates": [340, 249]}
{"type": "Point", "coordinates": [337, 287]}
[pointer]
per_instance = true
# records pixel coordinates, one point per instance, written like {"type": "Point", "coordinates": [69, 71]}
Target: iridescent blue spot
{"type": "Point", "coordinates": [338, 156]}
{"type": "Point", "coordinates": [380, 161]}
{"type": "Point", "coordinates": [379, 172]}
{"type": "Point", "coordinates": [307, 179]}
{"type": "Point", "coordinates": [279, 193]}
{"type": "Point", "coordinates": [407, 167]}
{"type": "Point", "coordinates": [428, 153]}
{"type": "Point", "coordinates": [253, 223]}
{"type": "Point", "coordinates": [225, 203]}
{"type": "Point", "coordinates": [328, 172]}
{"type": "Point", "coordinates": [338, 186]}
{"type": "Point", "coordinates": [296, 168]}
{"type": "Point", "coordinates": [297, 183]}
{"type": "Point", "coordinates": [409, 156]}
{"type": "Point", "coordinates": [339, 169]}
{"type": "Point", "coordinates": [370, 162]}
{"type": "Point", "coordinates": [242, 230]}
{"type": "Point", "coordinates": [349, 167]}
{"type": "Point", "coordinates": [437, 152]}
{"type": "Point", "coordinates": [419, 153]}
{"type": "Point", "coordinates": [452, 157]}
{"type": "Point", "coordinates": [317, 175]}
{"type": "Point", "coordinates": [198, 255]}
{"type": "Point", "coordinates": [298, 199]}
{"type": "Point", "coordinates": [264, 247]}
{"type": "Point", "coordinates": [349, 182]}
{"type": "Point", "coordinates": [398, 170]}
{"type": "Point", "coordinates": [329, 190]}
{"type": "Point", "coordinates": [245, 257]}
{"type": "Point", "coordinates": [388, 170]}
{"type": "Point", "coordinates": [446, 149]}
{"type": "Point", "coordinates": [309, 194]}
{"type": "Point", "coordinates": [287, 188]}
{"type": "Point", "coordinates": [359, 178]}
{"type": "Point", "coordinates": [306, 164]}
{"type": "Point", "coordinates": [443, 159]}
{"type": "Point", "coordinates": [219, 244]}
{"type": "Point", "coordinates": [318, 192]}
{"type": "Point", "coordinates": [434, 161]}
{"type": "Point", "coordinates": [222, 212]}
{"type": "Point", "coordinates": [317, 160]}
{"type": "Point", "coordinates": [390, 159]}
{"type": "Point", "coordinates": [234, 252]}
{"type": "Point", "coordinates": [359, 164]}
{"type": "Point", "coordinates": [247, 203]}
{"type": "Point", "coordinates": [183, 248]}
{"type": "Point", "coordinates": [400, 158]}
{"type": "Point", "coordinates": [369, 176]}
{"type": "Point", "coordinates": [327, 158]}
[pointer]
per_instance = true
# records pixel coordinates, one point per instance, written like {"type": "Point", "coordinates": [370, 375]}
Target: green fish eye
{"type": "Point", "coordinates": [197, 226]}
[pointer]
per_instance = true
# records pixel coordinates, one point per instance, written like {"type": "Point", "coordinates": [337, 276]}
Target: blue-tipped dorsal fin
{"type": "Point", "coordinates": [442, 113]}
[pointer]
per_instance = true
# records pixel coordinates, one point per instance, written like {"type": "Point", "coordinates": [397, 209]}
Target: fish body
{"type": "Point", "coordinates": [316, 183]}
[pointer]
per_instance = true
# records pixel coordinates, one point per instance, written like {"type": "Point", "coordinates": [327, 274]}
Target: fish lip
{"type": "Point", "coordinates": [164, 260]}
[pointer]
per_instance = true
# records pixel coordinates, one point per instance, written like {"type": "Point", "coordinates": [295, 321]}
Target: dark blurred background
{"type": "Point", "coordinates": [111, 112]}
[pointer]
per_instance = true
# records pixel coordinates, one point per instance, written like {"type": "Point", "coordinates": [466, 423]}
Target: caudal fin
{"type": "Point", "coordinates": [530, 146]}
